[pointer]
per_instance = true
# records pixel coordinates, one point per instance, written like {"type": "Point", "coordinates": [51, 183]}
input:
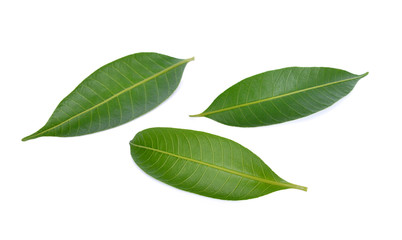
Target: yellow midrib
{"type": "Point", "coordinates": [276, 97]}
{"type": "Point", "coordinates": [114, 96]}
{"type": "Point", "coordinates": [290, 185]}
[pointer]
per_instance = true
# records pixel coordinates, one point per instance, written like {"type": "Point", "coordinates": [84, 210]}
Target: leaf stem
{"type": "Point", "coordinates": [298, 187]}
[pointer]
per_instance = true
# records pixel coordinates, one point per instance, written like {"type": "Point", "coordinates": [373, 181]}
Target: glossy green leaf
{"type": "Point", "coordinates": [280, 95]}
{"type": "Point", "coordinates": [115, 94]}
{"type": "Point", "coordinates": [205, 164]}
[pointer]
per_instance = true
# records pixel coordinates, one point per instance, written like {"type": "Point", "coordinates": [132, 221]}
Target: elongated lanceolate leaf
{"type": "Point", "coordinates": [205, 164]}
{"type": "Point", "coordinates": [115, 94]}
{"type": "Point", "coordinates": [280, 95]}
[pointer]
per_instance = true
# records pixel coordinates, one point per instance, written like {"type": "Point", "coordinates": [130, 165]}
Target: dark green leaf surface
{"type": "Point", "coordinates": [280, 95]}
{"type": "Point", "coordinates": [205, 164]}
{"type": "Point", "coordinates": [115, 94]}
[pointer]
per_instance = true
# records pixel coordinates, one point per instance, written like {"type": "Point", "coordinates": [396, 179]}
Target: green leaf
{"type": "Point", "coordinates": [280, 95]}
{"type": "Point", "coordinates": [114, 94]}
{"type": "Point", "coordinates": [205, 164]}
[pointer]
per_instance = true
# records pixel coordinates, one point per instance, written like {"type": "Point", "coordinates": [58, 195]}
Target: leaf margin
{"type": "Point", "coordinates": [285, 184]}
{"type": "Point", "coordinates": [206, 114]}
{"type": "Point", "coordinates": [41, 131]}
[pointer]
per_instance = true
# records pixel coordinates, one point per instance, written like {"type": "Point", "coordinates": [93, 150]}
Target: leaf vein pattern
{"type": "Point", "coordinates": [184, 165]}
{"type": "Point", "coordinates": [114, 95]}
{"type": "Point", "coordinates": [166, 160]}
{"type": "Point", "coordinates": [279, 96]}
{"type": "Point", "coordinates": [234, 189]}
{"type": "Point", "coordinates": [125, 77]}
{"type": "Point", "coordinates": [190, 159]}
{"type": "Point", "coordinates": [191, 156]}
{"type": "Point", "coordinates": [114, 80]}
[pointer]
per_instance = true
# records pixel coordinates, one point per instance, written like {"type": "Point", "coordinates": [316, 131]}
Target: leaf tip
{"type": "Point", "coordinates": [29, 137]}
{"type": "Point", "coordinates": [25, 139]}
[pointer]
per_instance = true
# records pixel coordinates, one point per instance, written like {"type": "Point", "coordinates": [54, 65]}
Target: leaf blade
{"type": "Point", "coordinates": [176, 161]}
{"type": "Point", "coordinates": [284, 94]}
{"type": "Point", "coordinates": [113, 93]}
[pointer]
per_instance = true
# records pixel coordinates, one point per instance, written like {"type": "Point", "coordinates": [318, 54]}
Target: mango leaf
{"type": "Point", "coordinates": [280, 95]}
{"type": "Point", "coordinates": [114, 94]}
{"type": "Point", "coordinates": [204, 164]}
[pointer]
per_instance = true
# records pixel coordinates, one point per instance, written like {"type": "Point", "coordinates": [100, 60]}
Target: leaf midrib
{"type": "Point", "coordinates": [289, 185]}
{"type": "Point", "coordinates": [112, 97]}
{"type": "Point", "coordinates": [276, 97]}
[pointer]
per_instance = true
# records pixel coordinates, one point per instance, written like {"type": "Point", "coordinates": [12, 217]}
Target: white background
{"type": "Point", "coordinates": [88, 187]}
